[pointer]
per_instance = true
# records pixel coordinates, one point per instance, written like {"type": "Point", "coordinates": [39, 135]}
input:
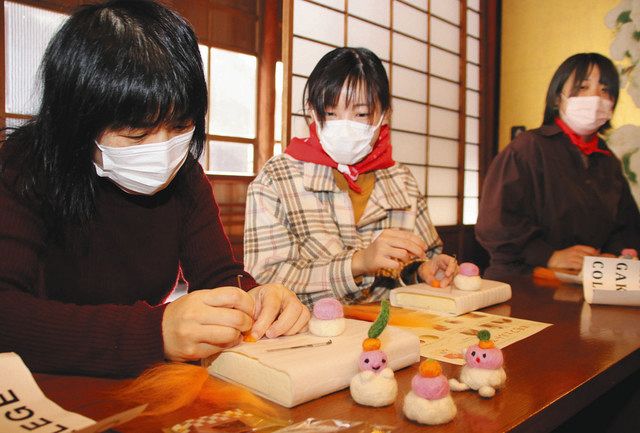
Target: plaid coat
{"type": "Point", "coordinates": [300, 230]}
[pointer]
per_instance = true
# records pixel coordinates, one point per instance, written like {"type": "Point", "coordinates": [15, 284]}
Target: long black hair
{"type": "Point", "coordinates": [359, 68]}
{"type": "Point", "coordinates": [122, 63]}
{"type": "Point", "coordinates": [581, 64]}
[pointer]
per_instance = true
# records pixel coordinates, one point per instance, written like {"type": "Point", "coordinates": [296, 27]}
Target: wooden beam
{"type": "Point", "coordinates": [490, 24]}
{"type": "Point", "coordinates": [266, 82]}
{"type": "Point", "coordinates": [287, 57]}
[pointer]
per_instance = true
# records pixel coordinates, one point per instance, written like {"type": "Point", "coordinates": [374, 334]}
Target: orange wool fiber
{"type": "Point", "coordinates": [430, 368]}
{"type": "Point", "coordinates": [370, 344]}
{"type": "Point", "coordinates": [398, 317]}
{"type": "Point", "coordinates": [169, 387]}
{"type": "Point", "coordinates": [436, 284]}
{"type": "Point", "coordinates": [486, 344]}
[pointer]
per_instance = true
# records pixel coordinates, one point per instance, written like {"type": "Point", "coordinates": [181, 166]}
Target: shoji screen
{"type": "Point", "coordinates": [430, 49]}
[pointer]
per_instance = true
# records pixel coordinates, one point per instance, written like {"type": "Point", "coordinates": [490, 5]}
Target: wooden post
{"type": "Point", "coordinates": [266, 83]}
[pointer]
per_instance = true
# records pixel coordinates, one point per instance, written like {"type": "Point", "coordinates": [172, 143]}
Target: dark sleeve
{"type": "Point", "coordinates": [55, 337]}
{"type": "Point", "coordinates": [206, 257]}
{"type": "Point", "coordinates": [626, 233]}
{"type": "Point", "coordinates": [507, 224]}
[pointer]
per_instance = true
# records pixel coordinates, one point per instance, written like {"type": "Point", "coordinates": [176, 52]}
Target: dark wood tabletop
{"type": "Point", "coordinates": [550, 375]}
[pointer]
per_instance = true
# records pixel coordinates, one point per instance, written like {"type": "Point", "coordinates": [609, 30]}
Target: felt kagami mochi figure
{"type": "Point", "coordinates": [328, 318]}
{"type": "Point", "coordinates": [429, 401]}
{"type": "Point", "coordinates": [468, 277]}
{"type": "Point", "coordinates": [483, 370]}
{"type": "Point", "coordinates": [375, 384]}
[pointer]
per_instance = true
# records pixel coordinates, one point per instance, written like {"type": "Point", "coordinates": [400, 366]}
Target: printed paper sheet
{"type": "Point", "coordinates": [446, 339]}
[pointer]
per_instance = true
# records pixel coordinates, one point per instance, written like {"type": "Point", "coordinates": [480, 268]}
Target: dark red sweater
{"type": "Point", "coordinates": [95, 305]}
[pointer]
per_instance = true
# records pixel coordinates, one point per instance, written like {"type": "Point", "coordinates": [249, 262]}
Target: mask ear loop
{"type": "Point", "coordinates": [381, 119]}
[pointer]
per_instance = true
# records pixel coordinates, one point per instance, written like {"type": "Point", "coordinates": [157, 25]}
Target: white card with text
{"type": "Point", "coordinates": [25, 408]}
{"type": "Point", "coordinates": [612, 281]}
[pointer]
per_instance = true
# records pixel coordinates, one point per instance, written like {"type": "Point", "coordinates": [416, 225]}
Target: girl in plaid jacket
{"type": "Point", "coordinates": [335, 215]}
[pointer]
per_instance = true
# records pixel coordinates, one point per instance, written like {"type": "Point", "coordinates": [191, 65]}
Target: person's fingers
{"type": "Point", "coordinates": [212, 334]}
{"type": "Point", "coordinates": [428, 272]}
{"type": "Point", "coordinates": [388, 263]}
{"type": "Point", "coordinates": [288, 317]}
{"type": "Point", "coordinates": [269, 304]}
{"type": "Point", "coordinates": [585, 249]}
{"type": "Point", "coordinates": [449, 273]}
{"type": "Point", "coordinates": [406, 241]}
{"type": "Point", "coordinates": [224, 317]}
{"type": "Point", "coordinates": [409, 236]}
{"type": "Point", "coordinates": [575, 263]}
{"type": "Point", "coordinates": [400, 254]}
{"type": "Point", "coordinates": [301, 323]}
{"type": "Point", "coordinates": [229, 297]}
{"type": "Point", "coordinates": [451, 265]}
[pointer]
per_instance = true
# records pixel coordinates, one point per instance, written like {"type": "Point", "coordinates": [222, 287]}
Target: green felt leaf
{"type": "Point", "coordinates": [381, 321]}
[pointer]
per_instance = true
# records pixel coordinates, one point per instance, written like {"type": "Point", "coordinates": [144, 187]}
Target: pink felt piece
{"type": "Point", "coordinates": [630, 252]}
{"type": "Point", "coordinates": [430, 388]}
{"type": "Point", "coordinates": [484, 358]}
{"type": "Point", "coordinates": [469, 270]}
{"type": "Point", "coordinates": [374, 360]}
{"type": "Point", "coordinates": [328, 309]}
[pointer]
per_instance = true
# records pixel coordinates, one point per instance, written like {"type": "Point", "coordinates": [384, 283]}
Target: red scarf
{"type": "Point", "coordinates": [310, 150]}
{"type": "Point", "coordinates": [586, 147]}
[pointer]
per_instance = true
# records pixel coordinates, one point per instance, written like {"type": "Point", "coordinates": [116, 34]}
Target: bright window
{"type": "Point", "coordinates": [24, 49]}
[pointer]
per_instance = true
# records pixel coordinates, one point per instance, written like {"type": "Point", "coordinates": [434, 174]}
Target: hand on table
{"type": "Point", "coordinates": [278, 311]}
{"type": "Point", "coordinates": [204, 322]}
{"type": "Point", "coordinates": [446, 265]}
{"type": "Point", "coordinates": [571, 258]}
{"type": "Point", "coordinates": [390, 249]}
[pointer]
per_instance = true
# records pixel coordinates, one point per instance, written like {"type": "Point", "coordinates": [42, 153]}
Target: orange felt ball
{"type": "Point", "coordinates": [430, 368]}
{"type": "Point", "coordinates": [435, 283]}
{"type": "Point", "coordinates": [370, 344]}
{"type": "Point", "coordinates": [486, 344]}
{"type": "Point", "coordinates": [248, 338]}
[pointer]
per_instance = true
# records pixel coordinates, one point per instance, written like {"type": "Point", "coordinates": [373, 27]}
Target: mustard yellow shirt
{"type": "Point", "coordinates": [359, 201]}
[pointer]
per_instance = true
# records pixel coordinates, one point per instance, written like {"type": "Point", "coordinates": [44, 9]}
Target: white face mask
{"type": "Point", "coordinates": [346, 141]}
{"type": "Point", "coordinates": [144, 168]}
{"type": "Point", "coordinates": [586, 114]}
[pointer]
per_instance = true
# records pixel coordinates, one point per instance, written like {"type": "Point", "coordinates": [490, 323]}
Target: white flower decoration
{"type": "Point", "coordinates": [625, 48]}
{"type": "Point", "coordinates": [611, 19]}
{"type": "Point", "coordinates": [633, 88]}
{"type": "Point", "coordinates": [635, 14]}
{"type": "Point", "coordinates": [625, 44]}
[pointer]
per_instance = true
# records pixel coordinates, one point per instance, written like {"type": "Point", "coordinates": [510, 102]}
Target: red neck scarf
{"type": "Point", "coordinates": [586, 147]}
{"type": "Point", "coordinates": [310, 150]}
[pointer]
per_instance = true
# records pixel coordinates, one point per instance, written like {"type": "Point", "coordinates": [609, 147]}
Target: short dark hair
{"type": "Point", "coordinates": [581, 64]}
{"type": "Point", "coordinates": [354, 66]}
{"type": "Point", "coordinates": [121, 63]}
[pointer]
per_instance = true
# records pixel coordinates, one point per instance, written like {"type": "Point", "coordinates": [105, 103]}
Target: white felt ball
{"type": "Point", "coordinates": [327, 328]}
{"type": "Point", "coordinates": [431, 412]}
{"type": "Point", "coordinates": [374, 389]}
{"type": "Point", "coordinates": [476, 378]}
{"type": "Point", "coordinates": [464, 282]}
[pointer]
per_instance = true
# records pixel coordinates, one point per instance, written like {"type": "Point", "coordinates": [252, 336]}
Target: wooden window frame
{"type": "Point", "coordinates": [459, 238]}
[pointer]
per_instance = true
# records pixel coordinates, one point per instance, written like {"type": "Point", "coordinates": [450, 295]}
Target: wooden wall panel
{"type": "Point", "coordinates": [231, 196]}
{"type": "Point", "coordinates": [234, 30]}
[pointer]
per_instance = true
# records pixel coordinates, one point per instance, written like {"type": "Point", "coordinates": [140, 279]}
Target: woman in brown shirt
{"type": "Point", "coordinates": [556, 193]}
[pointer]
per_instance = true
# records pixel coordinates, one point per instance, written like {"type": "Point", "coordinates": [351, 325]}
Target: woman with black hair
{"type": "Point", "coordinates": [103, 205]}
{"type": "Point", "coordinates": [335, 215]}
{"type": "Point", "coordinates": [557, 193]}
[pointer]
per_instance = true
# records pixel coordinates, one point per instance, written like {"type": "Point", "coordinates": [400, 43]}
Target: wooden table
{"type": "Point", "coordinates": [550, 376]}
